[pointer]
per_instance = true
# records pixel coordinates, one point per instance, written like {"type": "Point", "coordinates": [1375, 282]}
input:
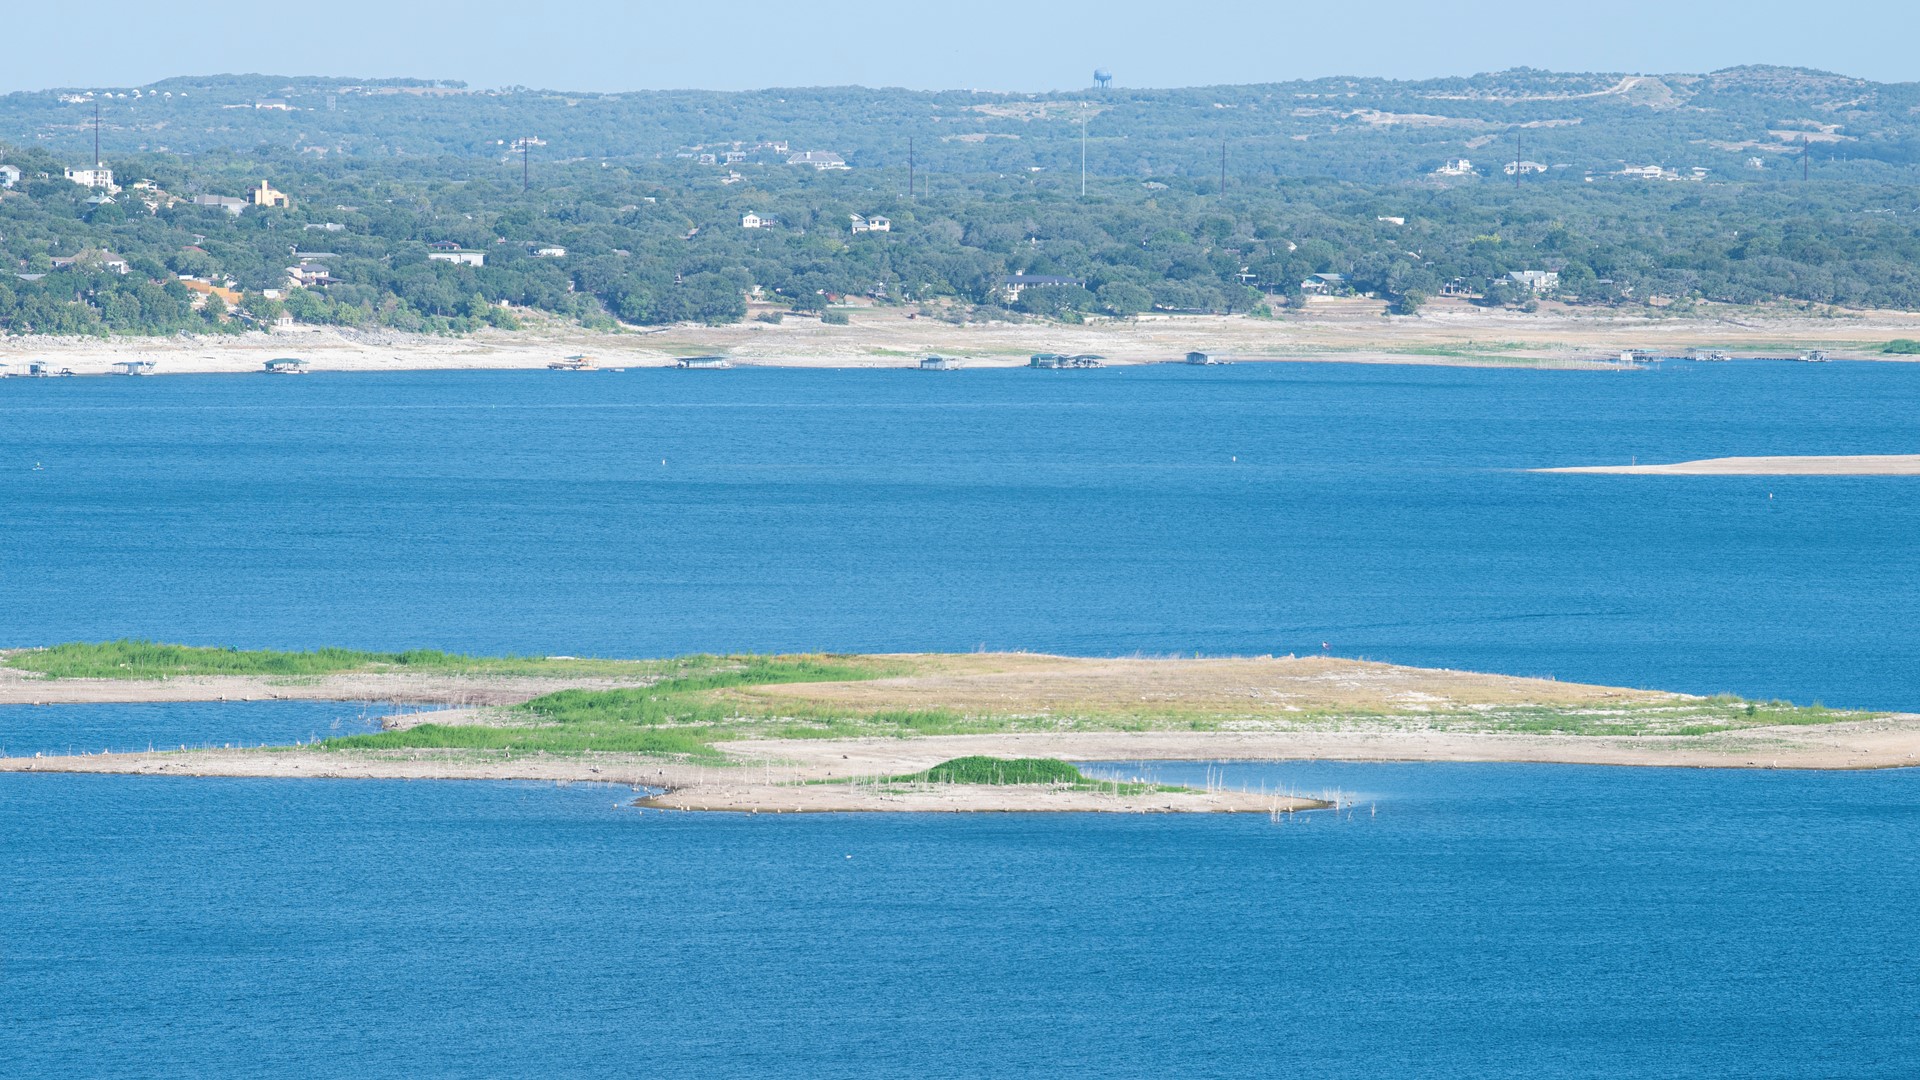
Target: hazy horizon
{"type": "Point", "coordinates": [995, 45]}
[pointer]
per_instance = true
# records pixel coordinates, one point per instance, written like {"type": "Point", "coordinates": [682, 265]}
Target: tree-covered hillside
{"type": "Point", "coordinates": [631, 207]}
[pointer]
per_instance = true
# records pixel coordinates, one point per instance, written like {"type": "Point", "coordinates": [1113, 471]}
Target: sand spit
{"type": "Point", "coordinates": [967, 798]}
{"type": "Point", "coordinates": [1447, 332]}
{"type": "Point", "coordinates": [1851, 465]}
{"type": "Point", "coordinates": [1883, 743]}
{"type": "Point", "coordinates": [407, 688]}
{"type": "Point", "coordinates": [746, 788]}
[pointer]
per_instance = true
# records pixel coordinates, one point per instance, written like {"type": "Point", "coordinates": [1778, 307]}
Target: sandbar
{"type": "Point", "coordinates": [1073, 708]}
{"type": "Point", "coordinates": [1811, 465]}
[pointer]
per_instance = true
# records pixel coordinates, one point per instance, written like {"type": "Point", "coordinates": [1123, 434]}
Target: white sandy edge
{"type": "Point", "coordinates": [1813, 465]}
{"type": "Point", "coordinates": [1449, 332]}
{"type": "Point", "coordinates": [769, 774]}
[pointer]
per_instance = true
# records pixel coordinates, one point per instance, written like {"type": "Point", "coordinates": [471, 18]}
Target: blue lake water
{"type": "Point", "coordinates": [26, 730]}
{"type": "Point", "coordinates": [1466, 921]}
{"type": "Point", "coordinates": [1380, 509]}
{"type": "Point", "coordinates": [1460, 921]}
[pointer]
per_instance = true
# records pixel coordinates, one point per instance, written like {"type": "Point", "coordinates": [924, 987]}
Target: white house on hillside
{"type": "Point", "coordinates": [876, 223]}
{"type": "Point", "coordinates": [751, 220]}
{"type": "Point", "coordinates": [819, 159]}
{"type": "Point", "coordinates": [96, 177]}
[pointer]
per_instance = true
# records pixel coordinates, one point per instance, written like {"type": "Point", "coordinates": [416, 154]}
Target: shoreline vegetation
{"type": "Point", "coordinates": [910, 731]}
{"type": "Point", "coordinates": [1447, 333]}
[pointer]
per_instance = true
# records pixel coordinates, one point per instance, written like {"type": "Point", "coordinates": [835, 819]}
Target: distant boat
{"type": "Point", "coordinates": [1061, 360]}
{"type": "Point", "coordinates": [1815, 356]}
{"type": "Point", "coordinates": [573, 363]}
{"type": "Point", "coordinates": [704, 362]}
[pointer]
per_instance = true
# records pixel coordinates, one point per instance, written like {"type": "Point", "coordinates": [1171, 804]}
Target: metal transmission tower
{"type": "Point", "coordinates": [525, 147]}
{"type": "Point", "coordinates": [1084, 120]}
{"type": "Point", "coordinates": [96, 133]}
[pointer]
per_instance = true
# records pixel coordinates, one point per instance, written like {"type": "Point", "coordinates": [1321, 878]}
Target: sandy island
{"type": "Point", "coordinates": [1852, 465]}
{"type": "Point", "coordinates": [1448, 331]}
{"type": "Point", "coordinates": [1259, 709]}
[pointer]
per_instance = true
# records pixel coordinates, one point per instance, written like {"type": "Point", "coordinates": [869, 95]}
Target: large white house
{"type": "Point", "coordinates": [751, 220]}
{"type": "Point", "coordinates": [9, 176]}
{"type": "Point", "coordinates": [876, 223]}
{"type": "Point", "coordinates": [819, 159]}
{"type": "Point", "coordinates": [97, 177]}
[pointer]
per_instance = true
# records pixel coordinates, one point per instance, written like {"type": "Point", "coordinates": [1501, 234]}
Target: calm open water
{"type": "Point", "coordinates": [1464, 921]}
{"type": "Point", "coordinates": [655, 512]}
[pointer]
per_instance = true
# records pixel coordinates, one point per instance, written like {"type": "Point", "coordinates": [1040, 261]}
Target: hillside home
{"type": "Point", "coordinates": [97, 177]}
{"type": "Point", "coordinates": [819, 159]}
{"type": "Point", "coordinates": [1538, 281]}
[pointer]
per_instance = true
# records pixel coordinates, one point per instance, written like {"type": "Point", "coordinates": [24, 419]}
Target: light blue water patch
{"type": "Point", "coordinates": [26, 730]}
{"type": "Point", "coordinates": [1258, 508]}
{"type": "Point", "coordinates": [1482, 921]}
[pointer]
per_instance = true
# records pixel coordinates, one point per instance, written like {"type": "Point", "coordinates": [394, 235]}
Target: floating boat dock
{"type": "Point", "coordinates": [704, 362]}
{"type": "Point", "coordinates": [1061, 360]}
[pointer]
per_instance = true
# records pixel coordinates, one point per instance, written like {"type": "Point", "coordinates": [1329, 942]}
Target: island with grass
{"type": "Point", "coordinates": [927, 731]}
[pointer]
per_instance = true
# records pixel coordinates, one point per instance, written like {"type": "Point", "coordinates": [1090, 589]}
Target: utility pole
{"type": "Point", "coordinates": [1083, 150]}
{"type": "Point", "coordinates": [1804, 143]}
{"type": "Point", "coordinates": [96, 133]}
{"type": "Point", "coordinates": [1517, 170]}
{"type": "Point", "coordinates": [909, 168]}
{"type": "Point", "coordinates": [526, 166]}
{"type": "Point", "coordinates": [1223, 167]}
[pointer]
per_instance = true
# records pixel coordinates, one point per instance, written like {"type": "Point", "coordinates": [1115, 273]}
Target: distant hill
{"type": "Point", "coordinates": [409, 203]}
{"type": "Point", "coordinates": [1370, 130]}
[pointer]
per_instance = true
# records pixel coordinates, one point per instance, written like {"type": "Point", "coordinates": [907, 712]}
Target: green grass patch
{"type": "Point", "coordinates": [130, 658]}
{"type": "Point", "coordinates": [1902, 347]}
{"type": "Point", "coordinates": [681, 714]}
{"type": "Point", "coordinates": [670, 743]}
{"type": "Point", "coordinates": [992, 770]}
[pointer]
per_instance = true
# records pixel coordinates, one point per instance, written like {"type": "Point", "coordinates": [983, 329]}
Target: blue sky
{"type": "Point", "coordinates": [977, 44]}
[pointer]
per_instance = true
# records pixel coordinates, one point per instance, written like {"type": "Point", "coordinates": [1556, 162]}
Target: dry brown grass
{"type": "Point", "coordinates": [1021, 683]}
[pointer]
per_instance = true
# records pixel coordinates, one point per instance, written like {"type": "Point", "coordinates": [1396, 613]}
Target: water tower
{"type": "Point", "coordinates": [1103, 78]}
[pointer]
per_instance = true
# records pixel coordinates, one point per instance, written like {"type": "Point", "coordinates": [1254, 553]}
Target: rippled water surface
{"type": "Point", "coordinates": [1455, 921]}
{"type": "Point", "coordinates": [1255, 508]}
{"type": "Point", "coordinates": [1462, 921]}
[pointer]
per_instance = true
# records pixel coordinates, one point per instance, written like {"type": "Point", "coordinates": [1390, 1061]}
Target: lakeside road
{"type": "Point", "coordinates": [1447, 332]}
{"type": "Point", "coordinates": [1835, 465]}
